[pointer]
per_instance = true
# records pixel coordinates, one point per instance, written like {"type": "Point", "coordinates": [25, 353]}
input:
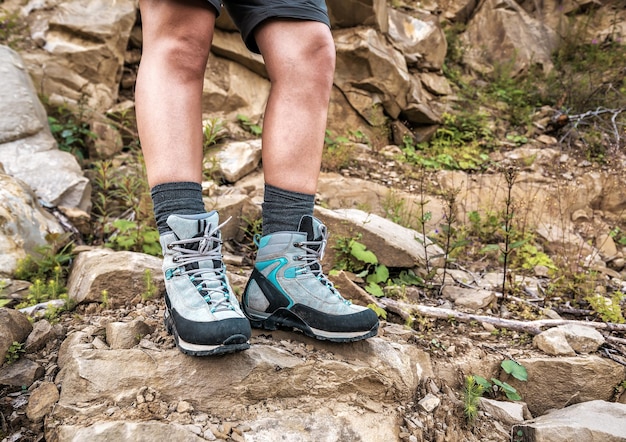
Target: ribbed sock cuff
{"type": "Point", "coordinates": [283, 209]}
{"type": "Point", "coordinates": [180, 198]}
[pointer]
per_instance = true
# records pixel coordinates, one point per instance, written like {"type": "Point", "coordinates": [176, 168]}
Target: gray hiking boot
{"type": "Point", "coordinates": [202, 311]}
{"type": "Point", "coordinates": [287, 288]}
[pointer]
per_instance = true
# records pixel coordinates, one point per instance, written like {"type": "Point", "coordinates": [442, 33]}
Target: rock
{"type": "Point", "coordinates": [84, 46]}
{"type": "Point", "coordinates": [14, 327]}
{"type": "Point", "coordinates": [559, 236]}
{"type": "Point", "coordinates": [237, 159]}
{"type": "Point", "coordinates": [41, 401]}
{"type": "Point", "coordinates": [241, 210]}
{"type": "Point", "coordinates": [553, 342]}
{"type": "Point", "coordinates": [108, 141]}
{"type": "Point", "coordinates": [89, 375]}
{"type": "Point", "coordinates": [346, 423]}
{"type": "Point", "coordinates": [351, 13]}
{"type": "Point", "coordinates": [435, 84]}
{"type": "Point", "coordinates": [606, 245]}
{"type": "Point", "coordinates": [522, 42]}
{"type": "Point", "coordinates": [26, 145]}
{"type": "Point", "coordinates": [25, 224]}
{"type": "Point", "coordinates": [473, 299]}
{"type": "Point", "coordinates": [554, 382]}
{"type": "Point", "coordinates": [184, 407]}
{"type": "Point", "coordinates": [366, 62]}
{"type": "Point", "coordinates": [21, 373]}
{"type": "Point", "coordinates": [419, 38]}
{"type": "Point", "coordinates": [590, 421]}
{"type": "Point", "coordinates": [506, 412]}
{"type": "Point", "coordinates": [338, 192]}
{"type": "Point", "coordinates": [42, 333]}
{"type": "Point", "coordinates": [124, 432]}
{"type": "Point", "coordinates": [121, 274]}
{"type": "Point", "coordinates": [126, 334]}
{"type": "Point", "coordinates": [230, 46]}
{"type": "Point", "coordinates": [231, 89]}
{"type": "Point", "coordinates": [392, 244]}
{"type": "Point", "coordinates": [581, 338]}
{"type": "Point", "coordinates": [429, 402]}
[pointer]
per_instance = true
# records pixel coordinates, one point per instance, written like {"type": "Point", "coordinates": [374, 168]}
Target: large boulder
{"type": "Point", "coordinates": [28, 150]}
{"type": "Point", "coordinates": [593, 420]}
{"type": "Point", "coordinates": [82, 49]}
{"type": "Point", "coordinates": [351, 13]}
{"type": "Point", "coordinates": [521, 40]}
{"type": "Point", "coordinates": [24, 225]}
{"type": "Point", "coordinates": [419, 37]}
{"type": "Point", "coordinates": [231, 89]}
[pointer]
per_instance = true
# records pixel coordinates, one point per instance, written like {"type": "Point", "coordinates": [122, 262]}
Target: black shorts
{"type": "Point", "coordinates": [248, 14]}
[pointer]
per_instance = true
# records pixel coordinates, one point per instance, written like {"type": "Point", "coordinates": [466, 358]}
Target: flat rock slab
{"type": "Point", "coordinates": [588, 421]}
{"type": "Point", "coordinates": [280, 388]}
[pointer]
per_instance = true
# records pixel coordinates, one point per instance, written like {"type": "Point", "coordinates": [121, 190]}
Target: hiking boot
{"type": "Point", "coordinates": [287, 288]}
{"type": "Point", "coordinates": [202, 311]}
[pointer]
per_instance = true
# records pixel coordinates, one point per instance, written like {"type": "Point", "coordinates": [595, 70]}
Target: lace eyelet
{"type": "Point", "coordinates": [297, 244]}
{"type": "Point", "coordinates": [170, 246]}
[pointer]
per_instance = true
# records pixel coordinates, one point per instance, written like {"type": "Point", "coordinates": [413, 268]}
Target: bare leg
{"type": "Point", "coordinates": [300, 60]}
{"type": "Point", "coordinates": [176, 41]}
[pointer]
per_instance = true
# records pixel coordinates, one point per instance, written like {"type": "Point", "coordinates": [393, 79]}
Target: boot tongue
{"type": "Point", "coordinates": [191, 226]}
{"type": "Point", "coordinates": [316, 232]}
{"type": "Point", "coordinates": [312, 227]}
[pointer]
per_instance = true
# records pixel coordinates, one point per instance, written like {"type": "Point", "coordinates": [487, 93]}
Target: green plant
{"type": "Point", "coordinates": [511, 367]}
{"type": "Point", "coordinates": [248, 125]}
{"type": "Point", "coordinates": [528, 256]}
{"type": "Point", "coordinates": [338, 153]}
{"type": "Point", "coordinates": [102, 179]}
{"type": "Point", "coordinates": [461, 143]}
{"type": "Point", "coordinates": [354, 256]}
{"type": "Point", "coordinates": [472, 392]}
{"type": "Point", "coordinates": [609, 309]}
{"type": "Point", "coordinates": [380, 312]}
{"type": "Point", "coordinates": [71, 130]}
{"type": "Point", "coordinates": [48, 260]}
{"type": "Point", "coordinates": [47, 270]}
{"type": "Point", "coordinates": [449, 233]}
{"type": "Point", "coordinates": [3, 301]}
{"type": "Point", "coordinates": [213, 130]}
{"type": "Point", "coordinates": [105, 302]}
{"type": "Point", "coordinates": [151, 289]}
{"type": "Point", "coordinates": [13, 31]}
{"type": "Point", "coordinates": [14, 352]}
{"type": "Point", "coordinates": [133, 236]}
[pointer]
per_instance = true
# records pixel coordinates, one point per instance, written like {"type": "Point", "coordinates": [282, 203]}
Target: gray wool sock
{"type": "Point", "coordinates": [180, 198]}
{"type": "Point", "coordinates": [283, 209]}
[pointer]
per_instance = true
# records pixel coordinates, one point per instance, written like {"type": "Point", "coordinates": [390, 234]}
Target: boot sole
{"type": "Point", "coordinates": [286, 320]}
{"type": "Point", "coordinates": [233, 344]}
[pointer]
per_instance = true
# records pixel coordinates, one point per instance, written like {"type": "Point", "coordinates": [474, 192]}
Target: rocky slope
{"type": "Point", "coordinates": [107, 370]}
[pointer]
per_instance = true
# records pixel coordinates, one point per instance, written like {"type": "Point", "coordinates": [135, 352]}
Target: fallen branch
{"type": "Point", "coordinates": [406, 311]}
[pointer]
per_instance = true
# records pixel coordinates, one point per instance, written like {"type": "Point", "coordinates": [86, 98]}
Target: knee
{"type": "Point", "coordinates": [318, 61]}
{"type": "Point", "coordinates": [184, 55]}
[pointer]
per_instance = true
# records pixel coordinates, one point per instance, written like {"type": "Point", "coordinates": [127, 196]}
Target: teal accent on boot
{"type": "Point", "coordinates": [202, 311]}
{"type": "Point", "coordinates": [296, 293]}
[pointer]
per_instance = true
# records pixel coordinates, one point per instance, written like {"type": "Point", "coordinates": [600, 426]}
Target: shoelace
{"type": "Point", "coordinates": [313, 262]}
{"type": "Point", "coordinates": [211, 283]}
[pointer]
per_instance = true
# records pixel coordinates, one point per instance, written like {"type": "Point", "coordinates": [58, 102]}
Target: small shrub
{"type": "Point", "coordinates": [249, 126]}
{"type": "Point", "coordinates": [338, 153]}
{"type": "Point", "coordinates": [14, 352]}
{"type": "Point", "coordinates": [71, 130]}
{"type": "Point", "coordinates": [132, 236]}
{"type": "Point", "coordinates": [609, 309]}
